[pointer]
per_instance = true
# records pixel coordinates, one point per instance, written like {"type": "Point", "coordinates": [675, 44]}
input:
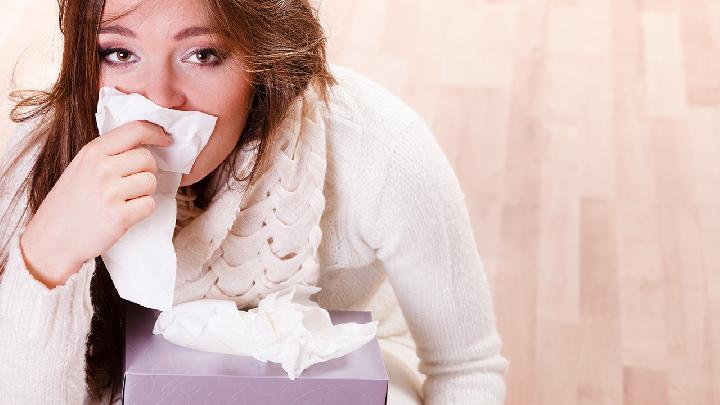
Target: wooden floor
{"type": "Point", "coordinates": [586, 135]}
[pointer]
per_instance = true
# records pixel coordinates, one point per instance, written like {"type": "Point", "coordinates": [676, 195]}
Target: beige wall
{"type": "Point", "coordinates": [29, 43]}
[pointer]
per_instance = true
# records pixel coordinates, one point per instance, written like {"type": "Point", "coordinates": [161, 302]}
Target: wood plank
{"type": "Point", "coordinates": [585, 138]}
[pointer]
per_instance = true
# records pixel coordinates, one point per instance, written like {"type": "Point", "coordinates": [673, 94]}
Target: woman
{"type": "Point", "coordinates": [313, 174]}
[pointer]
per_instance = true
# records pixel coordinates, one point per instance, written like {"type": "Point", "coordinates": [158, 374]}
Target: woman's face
{"type": "Point", "coordinates": [164, 51]}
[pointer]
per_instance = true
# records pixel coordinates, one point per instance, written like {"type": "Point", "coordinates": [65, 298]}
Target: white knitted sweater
{"type": "Point", "coordinates": [386, 231]}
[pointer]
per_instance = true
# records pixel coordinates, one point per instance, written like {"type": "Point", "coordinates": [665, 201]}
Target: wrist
{"type": "Point", "coordinates": [49, 268]}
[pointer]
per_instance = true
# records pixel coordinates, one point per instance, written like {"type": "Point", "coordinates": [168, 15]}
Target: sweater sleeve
{"type": "Point", "coordinates": [422, 235]}
{"type": "Point", "coordinates": [43, 331]}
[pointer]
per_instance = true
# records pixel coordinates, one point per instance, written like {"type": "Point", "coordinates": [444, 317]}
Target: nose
{"type": "Point", "coordinates": [163, 89]}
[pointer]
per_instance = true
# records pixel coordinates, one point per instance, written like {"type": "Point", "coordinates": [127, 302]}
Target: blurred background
{"type": "Point", "coordinates": [586, 137]}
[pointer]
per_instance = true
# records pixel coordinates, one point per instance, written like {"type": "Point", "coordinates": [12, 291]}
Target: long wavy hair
{"type": "Point", "coordinates": [282, 45]}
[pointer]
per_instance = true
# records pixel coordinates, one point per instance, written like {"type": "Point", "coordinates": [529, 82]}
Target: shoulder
{"type": "Point", "coordinates": [369, 130]}
{"type": "Point", "coordinates": [362, 108]}
{"type": "Point", "coordinates": [19, 155]}
{"type": "Point", "coordinates": [21, 131]}
{"type": "Point", "coordinates": [19, 139]}
{"type": "Point", "coordinates": [381, 154]}
{"type": "Point", "coordinates": [377, 131]}
{"type": "Point", "coordinates": [15, 167]}
{"type": "Point", "coordinates": [16, 161]}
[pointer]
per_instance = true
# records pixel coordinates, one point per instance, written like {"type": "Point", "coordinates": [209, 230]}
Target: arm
{"type": "Point", "coordinates": [42, 331]}
{"type": "Point", "coordinates": [422, 235]}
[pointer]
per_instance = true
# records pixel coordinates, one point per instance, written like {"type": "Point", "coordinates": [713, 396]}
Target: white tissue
{"type": "Point", "coordinates": [142, 264]}
{"type": "Point", "coordinates": [286, 328]}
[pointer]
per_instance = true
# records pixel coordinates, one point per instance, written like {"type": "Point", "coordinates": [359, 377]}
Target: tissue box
{"type": "Point", "coordinates": [159, 372]}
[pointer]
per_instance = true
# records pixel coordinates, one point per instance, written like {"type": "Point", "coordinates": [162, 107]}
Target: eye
{"type": "Point", "coordinates": [121, 56]}
{"type": "Point", "coordinates": [205, 56]}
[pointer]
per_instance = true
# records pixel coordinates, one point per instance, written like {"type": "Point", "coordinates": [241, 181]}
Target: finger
{"type": "Point", "coordinates": [137, 209]}
{"type": "Point", "coordinates": [133, 161]}
{"type": "Point", "coordinates": [132, 134]}
{"type": "Point", "coordinates": [136, 185]}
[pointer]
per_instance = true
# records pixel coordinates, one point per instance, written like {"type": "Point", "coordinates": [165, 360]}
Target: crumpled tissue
{"type": "Point", "coordinates": [286, 328]}
{"type": "Point", "coordinates": [142, 264]}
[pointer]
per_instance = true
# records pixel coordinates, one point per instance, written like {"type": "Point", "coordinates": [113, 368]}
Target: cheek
{"type": "Point", "coordinates": [231, 106]}
{"type": "Point", "coordinates": [104, 79]}
{"type": "Point", "coordinates": [112, 78]}
{"type": "Point", "coordinates": [219, 146]}
{"type": "Point", "coordinates": [232, 111]}
{"type": "Point", "coordinates": [210, 94]}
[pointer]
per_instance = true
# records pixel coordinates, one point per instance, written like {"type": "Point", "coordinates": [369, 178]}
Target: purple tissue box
{"type": "Point", "coordinates": [159, 372]}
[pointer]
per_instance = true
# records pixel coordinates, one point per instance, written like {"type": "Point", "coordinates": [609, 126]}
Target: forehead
{"type": "Point", "coordinates": [158, 15]}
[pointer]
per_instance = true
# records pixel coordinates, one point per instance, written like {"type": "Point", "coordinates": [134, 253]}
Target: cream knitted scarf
{"type": "Point", "coordinates": [258, 239]}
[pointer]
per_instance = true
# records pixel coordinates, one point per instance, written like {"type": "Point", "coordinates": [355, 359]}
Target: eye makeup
{"type": "Point", "coordinates": [207, 57]}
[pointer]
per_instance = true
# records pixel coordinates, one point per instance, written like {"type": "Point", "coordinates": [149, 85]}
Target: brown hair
{"type": "Point", "coordinates": [283, 47]}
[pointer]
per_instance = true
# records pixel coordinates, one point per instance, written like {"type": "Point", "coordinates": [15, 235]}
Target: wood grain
{"type": "Point", "coordinates": [586, 136]}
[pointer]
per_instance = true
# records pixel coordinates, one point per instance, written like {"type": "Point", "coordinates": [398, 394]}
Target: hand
{"type": "Point", "coordinates": [106, 189]}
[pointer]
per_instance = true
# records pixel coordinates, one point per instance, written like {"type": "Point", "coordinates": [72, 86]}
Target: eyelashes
{"type": "Point", "coordinates": [216, 57]}
{"type": "Point", "coordinates": [104, 53]}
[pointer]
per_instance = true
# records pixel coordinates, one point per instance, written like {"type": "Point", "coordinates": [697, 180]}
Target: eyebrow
{"type": "Point", "coordinates": [189, 32]}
